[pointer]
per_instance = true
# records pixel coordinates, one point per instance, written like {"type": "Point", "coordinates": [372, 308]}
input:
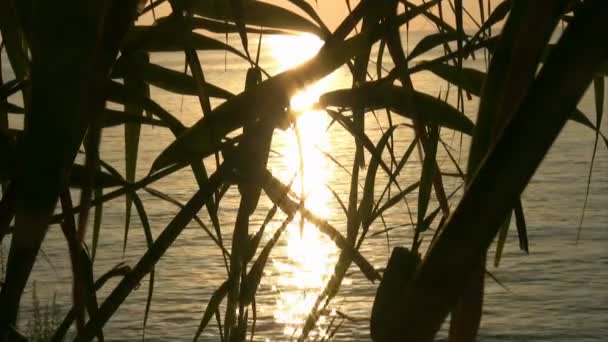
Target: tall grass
{"type": "Point", "coordinates": [70, 58]}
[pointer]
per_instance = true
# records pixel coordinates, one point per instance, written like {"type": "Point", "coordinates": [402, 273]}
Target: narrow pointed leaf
{"type": "Point", "coordinates": [378, 95]}
{"type": "Point", "coordinates": [212, 306]}
{"type": "Point", "coordinates": [430, 42]}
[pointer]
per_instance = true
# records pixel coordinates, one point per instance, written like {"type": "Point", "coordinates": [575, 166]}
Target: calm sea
{"type": "Point", "coordinates": [559, 292]}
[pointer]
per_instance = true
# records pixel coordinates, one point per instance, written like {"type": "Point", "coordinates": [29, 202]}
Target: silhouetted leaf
{"type": "Point", "coordinates": [171, 80]}
{"type": "Point", "coordinates": [522, 230]}
{"type": "Point", "coordinates": [430, 42]}
{"type": "Point", "coordinates": [254, 13]}
{"type": "Point", "coordinates": [470, 80]}
{"type": "Point", "coordinates": [213, 305]}
{"type": "Point", "coordinates": [120, 94]}
{"type": "Point", "coordinates": [171, 34]}
{"type": "Point", "coordinates": [254, 276]}
{"type": "Point", "coordinates": [376, 95]}
{"type": "Point", "coordinates": [427, 174]}
{"type": "Point", "coordinates": [502, 239]}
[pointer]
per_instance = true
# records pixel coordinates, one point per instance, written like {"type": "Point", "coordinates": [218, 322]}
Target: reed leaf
{"type": "Point", "coordinates": [522, 229]}
{"type": "Point", "coordinates": [172, 34]}
{"type": "Point", "coordinates": [168, 79]}
{"type": "Point", "coordinates": [255, 13]}
{"type": "Point", "coordinates": [426, 178]}
{"type": "Point", "coordinates": [430, 42]}
{"type": "Point", "coordinates": [374, 95]}
{"type": "Point", "coordinates": [212, 306]}
{"type": "Point", "coordinates": [252, 279]}
{"type": "Point", "coordinates": [502, 239]}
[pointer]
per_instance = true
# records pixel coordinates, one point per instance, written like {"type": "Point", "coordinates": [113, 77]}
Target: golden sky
{"type": "Point", "coordinates": [333, 11]}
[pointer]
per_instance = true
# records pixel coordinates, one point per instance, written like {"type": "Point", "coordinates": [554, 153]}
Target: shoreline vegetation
{"type": "Point", "coordinates": [71, 60]}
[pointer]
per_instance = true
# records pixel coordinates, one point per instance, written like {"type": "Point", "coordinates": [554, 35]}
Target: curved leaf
{"type": "Point", "coordinates": [171, 34]}
{"type": "Point", "coordinates": [168, 79]}
{"type": "Point", "coordinates": [431, 41]}
{"type": "Point", "coordinates": [376, 95]}
{"type": "Point", "coordinates": [213, 305]}
{"type": "Point", "coordinates": [470, 80]}
{"type": "Point", "coordinates": [120, 94]}
{"type": "Point", "coordinates": [255, 13]}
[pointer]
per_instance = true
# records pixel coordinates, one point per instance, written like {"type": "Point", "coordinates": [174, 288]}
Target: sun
{"type": "Point", "coordinates": [291, 51]}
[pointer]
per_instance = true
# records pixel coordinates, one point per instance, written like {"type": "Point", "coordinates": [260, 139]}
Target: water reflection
{"type": "Point", "coordinates": [309, 255]}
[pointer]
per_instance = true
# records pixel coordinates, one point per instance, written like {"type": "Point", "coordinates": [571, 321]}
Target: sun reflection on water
{"type": "Point", "coordinates": [309, 256]}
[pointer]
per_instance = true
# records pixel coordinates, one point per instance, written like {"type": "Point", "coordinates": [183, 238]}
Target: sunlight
{"type": "Point", "coordinates": [291, 51]}
{"type": "Point", "coordinates": [309, 255]}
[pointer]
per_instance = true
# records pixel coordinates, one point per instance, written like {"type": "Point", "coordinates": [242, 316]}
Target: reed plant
{"type": "Point", "coordinates": [70, 59]}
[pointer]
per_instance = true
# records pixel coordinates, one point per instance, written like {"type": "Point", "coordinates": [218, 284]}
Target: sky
{"type": "Point", "coordinates": [333, 11]}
